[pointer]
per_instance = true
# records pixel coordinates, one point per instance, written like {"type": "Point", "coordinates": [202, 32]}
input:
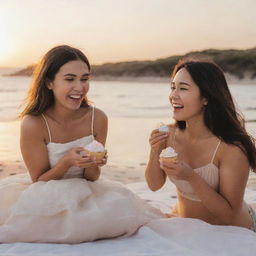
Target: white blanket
{"type": "Point", "coordinates": [176, 236]}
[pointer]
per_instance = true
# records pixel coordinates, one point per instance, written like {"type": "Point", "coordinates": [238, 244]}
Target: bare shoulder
{"type": "Point", "coordinates": [33, 126]}
{"type": "Point", "coordinates": [233, 156]}
{"type": "Point", "coordinates": [30, 122]}
{"type": "Point", "coordinates": [231, 151]}
{"type": "Point", "coordinates": [99, 115]}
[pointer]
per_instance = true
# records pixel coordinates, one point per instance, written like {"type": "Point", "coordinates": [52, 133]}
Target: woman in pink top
{"type": "Point", "coordinates": [214, 150]}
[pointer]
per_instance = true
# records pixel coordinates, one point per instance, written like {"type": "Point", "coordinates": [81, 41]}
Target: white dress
{"type": "Point", "coordinates": [70, 210]}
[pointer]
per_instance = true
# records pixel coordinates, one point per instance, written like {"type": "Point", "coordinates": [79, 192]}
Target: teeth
{"type": "Point", "coordinates": [75, 96]}
{"type": "Point", "coordinates": [177, 105]}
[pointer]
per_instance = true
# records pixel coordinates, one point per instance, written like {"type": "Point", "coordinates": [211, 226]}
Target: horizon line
{"type": "Point", "coordinates": [138, 60]}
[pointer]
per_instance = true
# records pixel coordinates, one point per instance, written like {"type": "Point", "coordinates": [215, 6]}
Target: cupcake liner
{"type": "Point", "coordinates": [169, 159]}
{"type": "Point", "coordinates": [98, 155]}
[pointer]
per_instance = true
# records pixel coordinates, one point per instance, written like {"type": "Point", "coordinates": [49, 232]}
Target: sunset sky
{"type": "Point", "coordinates": [118, 30]}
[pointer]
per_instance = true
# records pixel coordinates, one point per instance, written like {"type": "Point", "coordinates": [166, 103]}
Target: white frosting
{"type": "Point", "coordinates": [163, 128]}
{"type": "Point", "coordinates": [95, 146]}
{"type": "Point", "coordinates": [168, 152]}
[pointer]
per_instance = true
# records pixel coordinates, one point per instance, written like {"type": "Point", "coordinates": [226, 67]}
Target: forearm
{"type": "Point", "coordinates": [154, 175]}
{"type": "Point", "coordinates": [92, 173]}
{"type": "Point", "coordinates": [212, 200]}
{"type": "Point", "coordinates": [55, 173]}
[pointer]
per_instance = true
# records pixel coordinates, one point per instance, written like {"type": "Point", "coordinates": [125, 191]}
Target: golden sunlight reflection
{"type": "Point", "coordinates": [5, 45]}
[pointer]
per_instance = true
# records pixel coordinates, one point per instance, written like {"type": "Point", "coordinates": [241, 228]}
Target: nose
{"type": "Point", "coordinates": [79, 85]}
{"type": "Point", "coordinates": [174, 94]}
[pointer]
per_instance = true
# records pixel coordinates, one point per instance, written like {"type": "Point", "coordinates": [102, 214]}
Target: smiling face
{"type": "Point", "coordinates": [70, 85]}
{"type": "Point", "coordinates": [185, 97]}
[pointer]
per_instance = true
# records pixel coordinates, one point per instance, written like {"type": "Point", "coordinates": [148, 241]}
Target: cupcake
{"type": "Point", "coordinates": [163, 128]}
{"type": "Point", "coordinates": [169, 154]}
{"type": "Point", "coordinates": [96, 149]}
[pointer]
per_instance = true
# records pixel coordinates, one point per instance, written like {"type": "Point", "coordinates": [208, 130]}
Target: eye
{"type": "Point", "coordinates": [85, 79]}
{"type": "Point", "coordinates": [183, 89]}
{"type": "Point", "coordinates": [69, 79]}
{"type": "Point", "coordinates": [173, 88]}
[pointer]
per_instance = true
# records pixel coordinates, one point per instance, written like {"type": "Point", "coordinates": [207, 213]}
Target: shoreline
{"type": "Point", "coordinates": [231, 79]}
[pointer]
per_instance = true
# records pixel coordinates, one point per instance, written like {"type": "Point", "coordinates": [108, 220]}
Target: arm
{"type": "Point", "coordinates": [234, 171]}
{"type": "Point", "coordinates": [100, 134]}
{"type": "Point", "coordinates": [35, 154]}
{"type": "Point", "coordinates": [154, 175]}
{"type": "Point", "coordinates": [34, 151]}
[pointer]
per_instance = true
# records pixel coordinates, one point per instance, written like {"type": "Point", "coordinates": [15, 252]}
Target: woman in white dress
{"type": "Point", "coordinates": [65, 203]}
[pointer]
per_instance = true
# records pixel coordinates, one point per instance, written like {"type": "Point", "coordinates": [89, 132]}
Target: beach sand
{"type": "Point", "coordinates": [126, 157]}
{"type": "Point", "coordinates": [126, 160]}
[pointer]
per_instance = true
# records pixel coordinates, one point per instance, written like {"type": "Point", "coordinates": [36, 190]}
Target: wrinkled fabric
{"type": "Point", "coordinates": [70, 210]}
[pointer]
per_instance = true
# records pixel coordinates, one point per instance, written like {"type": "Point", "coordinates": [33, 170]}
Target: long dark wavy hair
{"type": "Point", "coordinates": [39, 97]}
{"type": "Point", "coordinates": [220, 114]}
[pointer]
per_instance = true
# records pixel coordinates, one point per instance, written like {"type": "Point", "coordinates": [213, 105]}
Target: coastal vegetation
{"type": "Point", "coordinates": [239, 63]}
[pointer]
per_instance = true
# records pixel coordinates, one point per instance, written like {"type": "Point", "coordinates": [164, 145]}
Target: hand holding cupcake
{"type": "Point", "coordinates": [96, 150]}
{"type": "Point", "coordinates": [163, 128]}
{"type": "Point", "coordinates": [169, 155]}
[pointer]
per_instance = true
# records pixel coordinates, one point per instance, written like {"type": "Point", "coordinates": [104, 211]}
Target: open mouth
{"type": "Point", "coordinates": [177, 106]}
{"type": "Point", "coordinates": [75, 96]}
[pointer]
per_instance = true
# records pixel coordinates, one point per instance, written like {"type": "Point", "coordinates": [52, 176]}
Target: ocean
{"type": "Point", "coordinates": [134, 110]}
{"type": "Point", "coordinates": [121, 99]}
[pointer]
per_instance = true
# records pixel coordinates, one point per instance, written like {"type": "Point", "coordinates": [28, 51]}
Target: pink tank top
{"type": "Point", "coordinates": [209, 172]}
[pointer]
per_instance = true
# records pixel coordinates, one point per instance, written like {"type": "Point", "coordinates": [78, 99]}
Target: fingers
{"type": "Point", "coordinates": [170, 168]}
{"type": "Point", "coordinates": [169, 164]}
{"type": "Point", "coordinates": [157, 137]}
{"type": "Point", "coordinates": [83, 153]}
{"type": "Point", "coordinates": [177, 170]}
{"type": "Point", "coordinates": [82, 159]}
{"type": "Point", "coordinates": [79, 149]}
{"type": "Point", "coordinates": [90, 162]}
{"type": "Point", "coordinates": [156, 131]}
{"type": "Point", "coordinates": [84, 162]}
{"type": "Point", "coordinates": [103, 161]}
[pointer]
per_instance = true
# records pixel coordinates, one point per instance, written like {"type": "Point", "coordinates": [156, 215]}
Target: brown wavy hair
{"type": "Point", "coordinates": [220, 115]}
{"type": "Point", "coordinates": [39, 97]}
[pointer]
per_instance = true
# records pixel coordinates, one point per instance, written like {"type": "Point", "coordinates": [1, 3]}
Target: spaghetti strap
{"type": "Point", "coordinates": [173, 138]}
{"type": "Point", "coordinates": [49, 133]}
{"type": "Point", "coordinates": [92, 120]}
{"type": "Point", "coordinates": [215, 151]}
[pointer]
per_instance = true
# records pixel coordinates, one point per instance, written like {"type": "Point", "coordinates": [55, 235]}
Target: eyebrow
{"type": "Point", "coordinates": [73, 75]}
{"type": "Point", "coordinates": [181, 83]}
